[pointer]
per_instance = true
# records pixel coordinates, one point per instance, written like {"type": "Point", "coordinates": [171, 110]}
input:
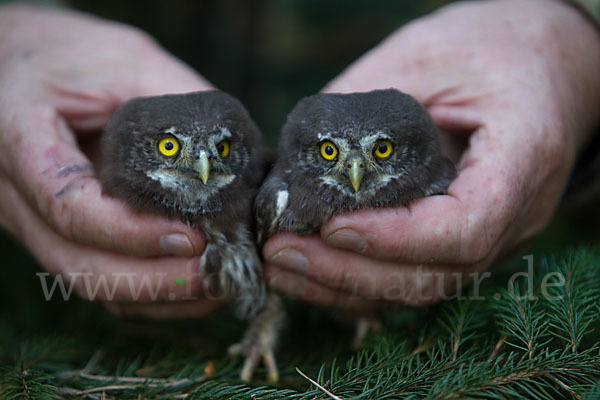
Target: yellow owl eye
{"type": "Point", "coordinates": [328, 150]}
{"type": "Point", "coordinates": [168, 146]}
{"type": "Point", "coordinates": [383, 149]}
{"type": "Point", "coordinates": [223, 148]}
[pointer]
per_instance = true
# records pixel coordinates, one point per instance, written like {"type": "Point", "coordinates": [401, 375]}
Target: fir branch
{"type": "Point", "coordinates": [149, 382]}
{"type": "Point", "coordinates": [26, 384]}
{"type": "Point", "coordinates": [522, 319]}
{"type": "Point", "coordinates": [573, 295]}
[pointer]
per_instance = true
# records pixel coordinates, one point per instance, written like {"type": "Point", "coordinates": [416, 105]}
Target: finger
{"type": "Point", "coordinates": [60, 185]}
{"type": "Point", "coordinates": [167, 74]}
{"type": "Point", "coordinates": [100, 275]}
{"type": "Point", "coordinates": [171, 310]}
{"type": "Point", "coordinates": [298, 286]}
{"type": "Point", "coordinates": [463, 227]}
{"type": "Point", "coordinates": [385, 67]}
{"type": "Point", "coordinates": [88, 107]}
{"type": "Point", "coordinates": [414, 285]}
{"type": "Point", "coordinates": [128, 63]}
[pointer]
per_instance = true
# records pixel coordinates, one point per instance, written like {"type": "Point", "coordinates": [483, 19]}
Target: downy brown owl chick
{"type": "Point", "coordinates": [343, 152]}
{"type": "Point", "coordinates": [198, 157]}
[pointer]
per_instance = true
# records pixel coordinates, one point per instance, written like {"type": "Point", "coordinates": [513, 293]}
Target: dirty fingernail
{"type": "Point", "coordinates": [347, 239]}
{"type": "Point", "coordinates": [176, 244]}
{"type": "Point", "coordinates": [290, 259]}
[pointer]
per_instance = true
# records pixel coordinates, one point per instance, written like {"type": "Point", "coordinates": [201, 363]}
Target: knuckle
{"type": "Point", "coordinates": [341, 277]}
{"type": "Point", "coordinates": [58, 213]}
{"type": "Point", "coordinates": [139, 39]}
{"type": "Point", "coordinates": [482, 229]}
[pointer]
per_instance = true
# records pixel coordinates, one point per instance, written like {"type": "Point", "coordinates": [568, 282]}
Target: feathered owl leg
{"type": "Point", "coordinates": [237, 265]}
{"type": "Point", "coordinates": [260, 340]}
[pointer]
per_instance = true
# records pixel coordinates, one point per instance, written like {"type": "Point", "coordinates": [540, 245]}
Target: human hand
{"type": "Point", "coordinates": [62, 74]}
{"type": "Point", "coordinates": [519, 81]}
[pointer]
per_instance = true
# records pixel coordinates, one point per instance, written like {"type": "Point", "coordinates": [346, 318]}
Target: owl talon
{"type": "Point", "coordinates": [252, 360]}
{"type": "Point", "coordinates": [260, 341]}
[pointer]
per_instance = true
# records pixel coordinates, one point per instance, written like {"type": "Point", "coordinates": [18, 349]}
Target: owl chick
{"type": "Point", "coordinates": [197, 157]}
{"type": "Point", "coordinates": [342, 152]}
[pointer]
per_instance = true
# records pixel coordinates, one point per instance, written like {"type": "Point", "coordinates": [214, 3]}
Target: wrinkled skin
{"type": "Point", "coordinates": [515, 80]}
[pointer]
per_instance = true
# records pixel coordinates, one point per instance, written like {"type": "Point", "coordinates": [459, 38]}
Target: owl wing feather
{"type": "Point", "coordinates": [270, 204]}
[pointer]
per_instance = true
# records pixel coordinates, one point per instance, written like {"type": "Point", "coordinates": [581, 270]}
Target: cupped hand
{"type": "Point", "coordinates": [518, 82]}
{"type": "Point", "coordinates": [62, 74]}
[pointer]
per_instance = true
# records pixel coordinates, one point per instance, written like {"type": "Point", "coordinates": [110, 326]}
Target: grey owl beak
{"type": "Point", "coordinates": [356, 170]}
{"type": "Point", "coordinates": [202, 166]}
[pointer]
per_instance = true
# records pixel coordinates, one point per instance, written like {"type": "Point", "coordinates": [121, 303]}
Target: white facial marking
{"type": "Point", "coordinates": [382, 181]}
{"type": "Point", "coordinates": [190, 193]}
{"type": "Point", "coordinates": [165, 178]}
{"type": "Point", "coordinates": [171, 130]}
{"type": "Point", "coordinates": [326, 136]}
{"type": "Point", "coordinates": [225, 133]}
{"type": "Point", "coordinates": [368, 142]}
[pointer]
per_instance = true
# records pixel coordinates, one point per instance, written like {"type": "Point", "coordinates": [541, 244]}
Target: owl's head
{"type": "Point", "coordinates": [366, 146]}
{"type": "Point", "coordinates": [180, 152]}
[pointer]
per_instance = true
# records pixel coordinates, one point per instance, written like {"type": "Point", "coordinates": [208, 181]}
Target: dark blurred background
{"type": "Point", "coordinates": [268, 53]}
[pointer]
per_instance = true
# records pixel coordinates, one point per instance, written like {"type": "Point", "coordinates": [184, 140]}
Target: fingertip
{"type": "Point", "coordinates": [360, 221]}
{"type": "Point", "coordinates": [198, 241]}
{"type": "Point", "coordinates": [346, 239]}
{"type": "Point", "coordinates": [353, 231]}
{"type": "Point", "coordinates": [182, 241]}
{"type": "Point", "coordinates": [282, 282]}
{"type": "Point", "coordinates": [276, 243]}
{"type": "Point", "coordinates": [111, 224]}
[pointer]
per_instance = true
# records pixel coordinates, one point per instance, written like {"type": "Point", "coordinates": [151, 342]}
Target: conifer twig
{"type": "Point", "coordinates": [69, 391]}
{"type": "Point", "coordinates": [526, 330]}
{"type": "Point", "coordinates": [149, 382]}
{"type": "Point", "coordinates": [333, 396]}
{"type": "Point", "coordinates": [497, 347]}
{"type": "Point", "coordinates": [566, 387]}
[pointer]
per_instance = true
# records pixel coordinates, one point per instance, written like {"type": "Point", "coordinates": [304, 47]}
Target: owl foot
{"type": "Point", "coordinates": [363, 325]}
{"type": "Point", "coordinates": [260, 340]}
